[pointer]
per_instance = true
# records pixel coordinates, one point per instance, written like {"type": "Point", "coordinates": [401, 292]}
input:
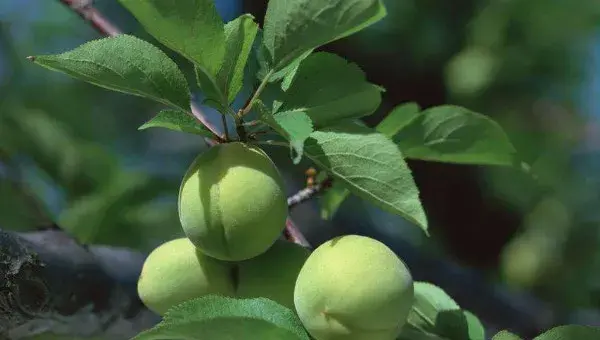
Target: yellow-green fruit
{"type": "Point", "coordinates": [232, 202]}
{"type": "Point", "coordinates": [273, 274]}
{"type": "Point", "coordinates": [353, 288]}
{"type": "Point", "coordinates": [176, 271]}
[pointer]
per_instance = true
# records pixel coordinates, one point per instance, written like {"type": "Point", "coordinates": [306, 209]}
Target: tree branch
{"type": "Point", "coordinates": [309, 193]}
{"type": "Point", "coordinates": [49, 283]}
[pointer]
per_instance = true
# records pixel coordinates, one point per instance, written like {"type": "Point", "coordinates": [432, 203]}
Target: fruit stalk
{"type": "Point", "coordinates": [309, 193]}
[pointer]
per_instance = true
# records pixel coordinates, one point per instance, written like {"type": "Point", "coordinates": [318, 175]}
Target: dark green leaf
{"type": "Point", "coordinates": [331, 200]}
{"type": "Point", "coordinates": [506, 335]}
{"type": "Point", "coordinates": [126, 64]}
{"type": "Point", "coordinates": [217, 317]}
{"type": "Point", "coordinates": [329, 89]}
{"type": "Point", "coordinates": [264, 68]}
{"type": "Point", "coordinates": [293, 28]}
{"type": "Point", "coordinates": [239, 37]}
{"type": "Point", "coordinates": [411, 333]}
{"type": "Point", "coordinates": [177, 121]}
{"type": "Point", "coordinates": [570, 332]}
{"type": "Point", "coordinates": [475, 328]}
{"type": "Point", "coordinates": [434, 312]}
{"type": "Point", "coordinates": [192, 28]}
{"type": "Point", "coordinates": [371, 166]}
{"type": "Point", "coordinates": [398, 118]}
{"type": "Point", "coordinates": [208, 85]}
{"type": "Point", "coordinates": [456, 135]}
{"type": "Point", "coordinates": [429, 301]}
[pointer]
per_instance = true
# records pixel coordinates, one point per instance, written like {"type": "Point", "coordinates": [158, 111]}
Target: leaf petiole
{"type": "Point", "coordinates": [255, 95]}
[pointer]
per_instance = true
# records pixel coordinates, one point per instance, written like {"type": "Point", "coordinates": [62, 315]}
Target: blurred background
{"type": "Point", "coordinates": [529, 244]}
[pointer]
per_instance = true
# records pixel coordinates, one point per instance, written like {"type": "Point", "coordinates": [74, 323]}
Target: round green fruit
{"type": "Point", "coordinates": [273, 274]}
{"type": "Point", "coordinates": [232, 202]}
{"type": "Point", "coordinates": [353, 288]}
{"type": "Point", "coordinates": [176, 271]}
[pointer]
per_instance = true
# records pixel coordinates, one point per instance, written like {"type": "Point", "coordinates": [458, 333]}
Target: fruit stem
{"type": "Point", "coordinates": [239, 127]}
{"type": "Point", "coordinates": [292, 234]}
{"type": "Point", "coordinates": [225, 127]}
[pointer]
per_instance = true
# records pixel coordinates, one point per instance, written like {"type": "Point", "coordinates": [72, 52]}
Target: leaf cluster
{"type": "Point", "coordinates": [317, 97]}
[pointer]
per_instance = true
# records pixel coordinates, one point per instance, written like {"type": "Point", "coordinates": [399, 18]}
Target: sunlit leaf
{"type": "Point", "coordinates": [371, 167]}
{"type": "Point", "coordinates": [126, 64]}
{"type": "Point", "coordinates": [294, 27]}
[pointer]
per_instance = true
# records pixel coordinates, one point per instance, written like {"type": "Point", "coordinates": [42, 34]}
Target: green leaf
{"type": "Point", "coordinates": [210, 88]}
{"type": "Point", "coordinates": [126, 64]}
{"type": "Point", "coordinates": [217, 317]}
{"type": "Point", "coordinates": [456, 135]}
{"type": "Point", "coordinates": [371, 166]}
{"type": "Point", "coordinates": [475, 328]}
{"type": "Point", "coordinates": [434, 312]}
{"type": "Point", "coordinates": [398, 118]}
{"type": "Point", "coordinates": [295, 126]}
{"type": "Point", "coordinates": [239, 37]}
{"type": "Point", "coordinates": [506, 335]}
{"type": "Point", "coordinates": [570, 332]}
{"type": "Point", "coordinates": [411, 333]}
{"type": "Point", "coordinates": [178, 121]}
{"type": "Point", "coordinates": [264, 67]}
{"type": "Point", "coordinates": [193, 28]}
{"type": "Point", "coordinates": [331, 200]}
{"type": "Point", "coordinates": [329, 89]}
{"type": "Point", "coordinates": [293, 28]}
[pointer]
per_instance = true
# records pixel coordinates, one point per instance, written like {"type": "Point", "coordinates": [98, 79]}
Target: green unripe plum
{"type": "Point", "coordinates": [273, 274]}
{"type": "Point", "coordinates": [232, 202]}
{"type": "Point", "coordinates": [177, 271]}
{"type": "Point", "coordinates": [353, 288]}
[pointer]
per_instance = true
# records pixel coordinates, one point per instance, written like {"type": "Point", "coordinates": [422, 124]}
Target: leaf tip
{"type": "Point", "coordinates": [143, 126]}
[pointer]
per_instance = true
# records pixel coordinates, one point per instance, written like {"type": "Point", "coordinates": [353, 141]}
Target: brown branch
{"type": "Point", "coordinates": [309, 192]}
{"type": "Point", "coordinates": [102, 25]}
{"type": "Point", "coordinates": [292, 234]}
{"type": "Point", "coordinates": [86, 11]}
{"type": "Point", "coordinates": [49, 283]}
